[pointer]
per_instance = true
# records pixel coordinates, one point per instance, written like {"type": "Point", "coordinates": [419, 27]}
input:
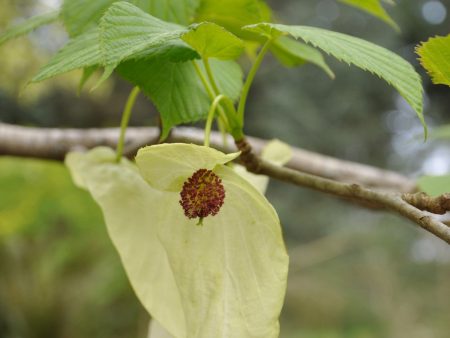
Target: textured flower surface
{"type": "Point", "coordinates": [202, 195]}
{"type": "Point", "coordinates": [226, 278]}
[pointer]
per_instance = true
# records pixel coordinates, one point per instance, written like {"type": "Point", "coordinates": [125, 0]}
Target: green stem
{"type": "Point", "coordinates": [204, 80]}
{"type": "Point", "coordinates": [249, 81]}
{"type": "Point", "coordinates": [224, 112]}
{"type": "Point", "coordinates": [210, 119]}
{"type": "Point", "coordinates": [209, 90]}
{"type": "Point", "coordinates": [223, 118]}
{"type": "Point", "coordinates": [223, 131]}
{"type": "Point", "coordinates": [211, 76]}
{"type": "Point", "coordinates": [124, 123]}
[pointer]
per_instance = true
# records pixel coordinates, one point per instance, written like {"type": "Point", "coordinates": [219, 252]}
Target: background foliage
{"type": "Point", "coordinates": [353, 273]}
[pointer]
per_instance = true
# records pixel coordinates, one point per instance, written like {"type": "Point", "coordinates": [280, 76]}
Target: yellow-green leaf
{"type": "Point", "coordinates": [178, 11]}
{"type": "Point", "coordinates": [80, 52]}
{"type": "Point", "coordinates": [293, 53]}
{"type": "Point", "coordinates": [435, 58]}
{"type": "Point", "coordinates": [234, 14]}
{"type": "Point", "coordinates": [80, 16]}
{"type": "Point", "coordinates": [211, 40]}
{"type": "Point", "coordinates": [128, 32]}
{"type": "Point", "coordinates": [375, 8]}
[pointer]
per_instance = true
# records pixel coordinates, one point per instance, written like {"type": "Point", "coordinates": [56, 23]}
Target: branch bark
{"type": "Point", "coordinates": [51, 143]}
{"type": "Point", "coordinates": [306, 169]}
{"type": "Point", "coordinates": [412, 206]}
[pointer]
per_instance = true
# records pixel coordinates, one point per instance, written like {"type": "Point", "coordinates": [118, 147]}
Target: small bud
{"type": "Point", "coordinates": [202, 195]}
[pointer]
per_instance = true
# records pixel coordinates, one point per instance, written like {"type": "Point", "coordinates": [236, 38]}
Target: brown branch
{"type": "Point", "coordinates": [55, 143]}
{"type": "Point", "coordinates": [436, 205]}
{"type": "Point", "coordinates": [52, 143]}
{"type": "Point", "coordinates": [381, 199]}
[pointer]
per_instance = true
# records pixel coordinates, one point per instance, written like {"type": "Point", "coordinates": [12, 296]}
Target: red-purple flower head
{"type": "Point", "coordinates": [202, 195]}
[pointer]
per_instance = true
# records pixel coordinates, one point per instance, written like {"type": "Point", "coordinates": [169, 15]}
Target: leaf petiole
{"type": "Point", "coordinates": [227, 111]}
{"type": "Point", "coordinates": [211, 114]}
{"type": "Point", "coordinates": [124, 122]}
{"type": "Point", "coordinates": [221, 124]}
{"type": "Point", "coordinates": [211, 76]}
{"type": "Point", "coordinates": [250, 77]}
{"type": "Point", "coordinates": [204, 80]}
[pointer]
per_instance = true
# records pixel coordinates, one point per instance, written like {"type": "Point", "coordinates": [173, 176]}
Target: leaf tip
{"type": "Point", "coordinates": [330, 73]}
{"type": "Point", "coordinates": [425, 133]}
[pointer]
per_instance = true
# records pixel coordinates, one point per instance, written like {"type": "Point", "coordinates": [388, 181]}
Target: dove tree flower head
{"type": "Point", "coordinates": [226, 278]}
{"type": "Point", "coordinates": [202, 195]}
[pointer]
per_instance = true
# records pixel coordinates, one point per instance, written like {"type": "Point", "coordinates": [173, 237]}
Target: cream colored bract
{"type": "Point", "coordinates": [224, 279]}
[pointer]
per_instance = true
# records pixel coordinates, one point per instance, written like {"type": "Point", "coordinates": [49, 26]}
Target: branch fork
{"type": "Point", "coordinates": [412, 206]}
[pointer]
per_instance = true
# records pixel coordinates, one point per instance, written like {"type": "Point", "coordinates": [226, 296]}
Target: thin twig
{"type": "Point", "coordinates": [381, 199]}
{"type": "Point", "coordinates": [54, 143]}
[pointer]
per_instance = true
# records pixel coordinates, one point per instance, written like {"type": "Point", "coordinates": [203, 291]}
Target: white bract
{"type": "Point", "coordinates": [226, 278]}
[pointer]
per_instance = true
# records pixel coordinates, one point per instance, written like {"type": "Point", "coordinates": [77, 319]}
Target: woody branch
{"type": "Point", "coordinates": [364, 184]}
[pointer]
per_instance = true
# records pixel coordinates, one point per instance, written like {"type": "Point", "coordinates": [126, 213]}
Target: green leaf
{"type": "Point", "coordinates": [28, 26]}
{"type": "Point", "coordinates": [87, 73]}
{"type": "Point", "coordinates": [234, 14]}
{"type": "Point", "coordinates": [107, 72]}
{"type": "Point", "coordinates": [434, 185]}
{"type": "Point", "coordinates": [435, 58]}
{"type": "Point", "coordinates": [229, 77]}
{"type": "Point", "coordinates": [211, 40]}
{"type": "Point", "coordinates": [128, 32]}
{"type": "Point", "coordinates": [172, 50]}
{"type": "Point", "coordinates": [82, 15]}
{"type": "Point", "coordinates": [293, 53]}
{"type": "Point", "coordinates": [375, 8]}
{"type": "Point", "coordinates": [224, 279]}
{"type": "Point", "coordinates": [175, 89]}
{"type": "Point", "coordinates": [84, 50]}
{"type": "Point", "coordinates": [80, 52]}
{"type": "Point", "coordinates": [363, 54]}
{"type": "Point", "coordinates": [178, 11]}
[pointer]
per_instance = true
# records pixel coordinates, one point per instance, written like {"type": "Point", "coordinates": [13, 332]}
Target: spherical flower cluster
{"type": "Point", "coordinates": [202, 195]}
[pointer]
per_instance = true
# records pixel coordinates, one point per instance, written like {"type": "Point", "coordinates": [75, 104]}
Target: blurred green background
{"type": "Point", "coordinates": [354, 273]}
